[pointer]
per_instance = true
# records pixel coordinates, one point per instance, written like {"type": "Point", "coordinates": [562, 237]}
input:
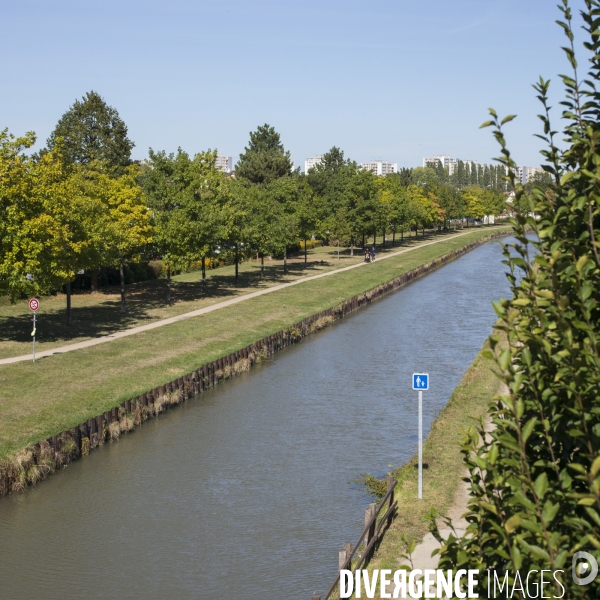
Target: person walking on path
{"type": "Point", "coordinates": [373, 254]}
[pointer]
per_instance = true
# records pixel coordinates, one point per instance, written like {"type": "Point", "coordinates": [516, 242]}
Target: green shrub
{"type": "Point", "coordinates": [535, 480]}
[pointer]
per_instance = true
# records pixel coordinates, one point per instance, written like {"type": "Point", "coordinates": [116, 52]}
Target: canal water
{"type": "Point", "coordinates": [245, 491]}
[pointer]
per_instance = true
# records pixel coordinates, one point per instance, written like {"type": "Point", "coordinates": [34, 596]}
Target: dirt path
{"type": "Point", "coordinates": [212, 307]}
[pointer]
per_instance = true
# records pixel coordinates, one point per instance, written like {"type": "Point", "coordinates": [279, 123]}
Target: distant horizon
{"type": "Point", "coordinates": [398, 83]}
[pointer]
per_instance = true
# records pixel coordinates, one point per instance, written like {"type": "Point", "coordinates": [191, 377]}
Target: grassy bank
{"type": "Point", "coordinates": [445, 466]}
{"type": "Point", "coordinates": [97, 314]}
{"type": "Point", "coordinates": [58, 392]}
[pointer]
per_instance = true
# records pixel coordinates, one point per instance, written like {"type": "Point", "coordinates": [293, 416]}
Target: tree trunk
{"type": "Point", "coordinates": [394, 237]}
{"type": "Point", "coordinates": [94, 280]}
{"type": "Point", "coordinates": [351, 247]}
{"type": "Point", "coordinates": [374, 237]}
{"type": "Point", "coordinates": [384, 238]}
{"type": "Point", "coordinates": [169, 284]}
{"type": "Point", "coordinates": [68, 291]}
{"type": "Point", "coordinates": [122, 271]}
{"type": "Point", "coordinates": [338, 249]}
{"type": "Point", "coordinates": [203, 269]}
{"type": "Point", "coordinates": [236, 263]}
{"type": "Point", "coordinates": [285, 260]}
{"type": "Point", "coordinates": [305, 257]}
{"type": "Point", "coordinates": [363, 241]}
{"type": "Point", "coordinates": [262, 265]}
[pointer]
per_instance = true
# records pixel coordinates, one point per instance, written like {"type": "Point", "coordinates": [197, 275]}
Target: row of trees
{"type": "Point", "coordinates": [468, 173]}
{"type": "Point", "coordinates": [81, 203]}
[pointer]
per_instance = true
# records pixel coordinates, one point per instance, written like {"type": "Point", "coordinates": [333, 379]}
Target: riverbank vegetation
{"type": "Point", "coordinates": [61, 391]}
{"type": "Point", "coordinates": [443, 463]}
{"type": "Point", "coordinates": [535, 479]}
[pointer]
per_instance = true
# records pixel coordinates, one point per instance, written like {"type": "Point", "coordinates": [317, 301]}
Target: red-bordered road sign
{"type": "Point", "coordinates": [34, 304]}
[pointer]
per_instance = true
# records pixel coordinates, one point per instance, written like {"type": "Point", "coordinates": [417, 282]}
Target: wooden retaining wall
{"type": "Point", "coordinates": [36, 462]}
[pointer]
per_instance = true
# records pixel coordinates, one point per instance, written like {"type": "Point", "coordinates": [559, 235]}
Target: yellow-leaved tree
{"type": "Point", "coordinates": [43, 238]}
{"type": "Point", "coordinates": [122, 227]}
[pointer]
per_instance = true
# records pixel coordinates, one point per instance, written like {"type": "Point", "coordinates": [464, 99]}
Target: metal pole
{"type": "Point", "coordinates": [420, 444]}
{"type": "Point", "coordinates": [34, 314]}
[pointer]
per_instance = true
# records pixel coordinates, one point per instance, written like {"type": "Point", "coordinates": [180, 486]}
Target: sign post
{"type": "Point", "coordinates": [420, 383]}
{"type": "Point", "coordinates": [34, 304]}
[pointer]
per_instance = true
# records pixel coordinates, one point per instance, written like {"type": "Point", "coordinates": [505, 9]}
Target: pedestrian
{"type": "Point", "coordinates": [367, 255]}
{"type": "Point", "coordinates": [373, 254]}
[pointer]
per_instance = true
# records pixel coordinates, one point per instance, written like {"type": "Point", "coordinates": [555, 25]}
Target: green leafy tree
{"type": "Point", "coordinates": [91, 132]}
{"type": "Point", "coordinates": [424, 176]}
{"type": "Point", "coordinates": [399, 213]}
{"type": "Point", "coordinates": [47, 229]}
{"type": "Point", "coordinates": [271, 226]}
{"type": "Point", "coordinates": [474, 200]}
{"type": "Point", "coordinates": [452, 202]}
{"type": "Point", "coordinates": [166, 181]}
{"type": "Point", "coordinates": [123, 217]}
{"type": "Point", "coordinates": [535, 478]}
{"type": "Point", "coordinates": [405, 176]}
{"type": "Point", "coordinates": [264, 159]}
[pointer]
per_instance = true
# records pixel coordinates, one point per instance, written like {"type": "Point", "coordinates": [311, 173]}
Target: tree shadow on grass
{"type": "Point", "coordinates": [105, 318]}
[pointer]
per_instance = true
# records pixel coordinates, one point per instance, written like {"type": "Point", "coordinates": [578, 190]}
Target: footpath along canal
{"type": "Point", "coordinates": [243, 492]}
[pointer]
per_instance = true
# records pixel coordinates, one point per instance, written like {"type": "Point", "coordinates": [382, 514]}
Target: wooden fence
{"type": "Point", "coordinates": [362, 551]}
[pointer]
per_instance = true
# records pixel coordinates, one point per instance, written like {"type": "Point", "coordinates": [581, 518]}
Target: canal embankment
{"type": "Point", "coordinates": [66, 405]}
{"type": "Point", "coordinates": [245, 490]}
{"type": "Point", "coordinates": [444, 490]}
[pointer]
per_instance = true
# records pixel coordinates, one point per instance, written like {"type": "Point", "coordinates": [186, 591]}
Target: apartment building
{"type": "Point", "coordinates": [445, 161]}
{"type": "Point", "coordinates": [529, 173]}
{"type": "Point", "coordinates": [380, 167]}
{"type": "Point", "coordinates": [311, 162]}
{"type": "Point", "coordinates": [224, 163]}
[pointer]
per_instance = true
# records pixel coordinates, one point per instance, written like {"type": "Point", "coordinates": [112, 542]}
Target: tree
{"type": "Point", "coordinates": [264, 159]}
{"type": "Point", "coordinates": [92, 132]}
{"type": "Point", "coordinates": [475, 205]}
{"type": "Point", "coordinates": [535, 477]}
{"type": "Point", "coordinates": [46, 227]}
{"type": "Point", "coordinates": [424, 176]}
{"type": "Point", "coordinates": [424, 209]}
{"type": "Point", "coordinates": [270, 227]}
{"type": "Point", "coordinates": [124, 219]}
{"type": "Point", "coordinates": [452, 202]}
{"type": "Point", "coordinates": [188, 198]}
{"type": "Point", "coordinates": [165, 179]}
{"type": "Point", "coordinates": [399, 217]}
{"type": "Point", "coordinates": [405, 176]}
{"type": "Point", "coordinates": [332, 164]}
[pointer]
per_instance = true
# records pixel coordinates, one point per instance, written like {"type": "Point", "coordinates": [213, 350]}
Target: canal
{"type": "Point", "coordinates": [245, 491]}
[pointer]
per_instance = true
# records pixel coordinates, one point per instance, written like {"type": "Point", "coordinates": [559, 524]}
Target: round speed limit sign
{"type": "Point", "coordinates": [34, 304]}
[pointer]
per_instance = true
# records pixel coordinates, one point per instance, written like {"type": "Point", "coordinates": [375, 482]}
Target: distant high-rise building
{"type": "Point", "coordinates": [530, 172]}
{"type": "Point", "coordinates": [445, 161]}
{"type": "Point", "coordinates": [380, 167]}
{"type": "Point", "coordinates": [224, 163]}
{"type": "Point", "coordinates": [311, 162]}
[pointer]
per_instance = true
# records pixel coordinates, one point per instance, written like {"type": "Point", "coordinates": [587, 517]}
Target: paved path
{"type": "Point", "coordinates": [212, 307]}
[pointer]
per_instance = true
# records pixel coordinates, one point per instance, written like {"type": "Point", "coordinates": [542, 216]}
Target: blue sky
{"type": "Point", "coordinates": [392, 79]}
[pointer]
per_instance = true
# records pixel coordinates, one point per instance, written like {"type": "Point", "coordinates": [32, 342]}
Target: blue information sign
{"type": "Point", "coordinates": [421, 381]}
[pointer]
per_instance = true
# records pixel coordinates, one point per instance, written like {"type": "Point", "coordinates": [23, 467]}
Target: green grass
{"type": "Point", "coordinates": [445, 464]}
{"type": "Point", "coordinates": [99, 314]}
{"type": "Point", "coordinates": [59, 392]}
